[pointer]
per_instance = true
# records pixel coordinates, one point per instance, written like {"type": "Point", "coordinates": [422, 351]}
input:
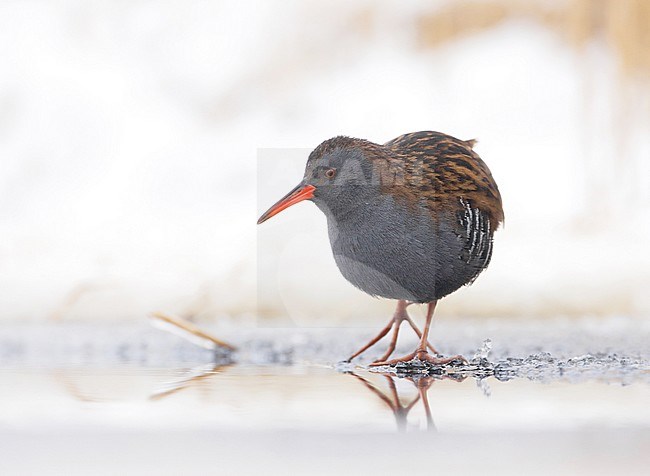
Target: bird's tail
{"type": "Point", "coordinates": [471, 143]}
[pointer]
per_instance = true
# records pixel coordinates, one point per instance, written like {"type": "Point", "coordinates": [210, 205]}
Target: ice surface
{"type": "Point", "coordinates": [614, 350]}
{"type": "Point", "coordinates": [545, 367]}
{"type": "Point", "coordinates": [483, 351]}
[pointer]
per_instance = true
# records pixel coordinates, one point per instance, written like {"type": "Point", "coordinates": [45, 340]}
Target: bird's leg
{"type": "Point", "coordinates": [373, 341]}
{"type": "Point", "coordinates": [419, 333]}
{"type": "Point", "coordinates": [421, 350]}
{"type": "Point", "coordinates": [393, 341]}
{"type": "Point", "coordinates": [399, 316]}
{"type": "Point", "coordinates": [394, 323]}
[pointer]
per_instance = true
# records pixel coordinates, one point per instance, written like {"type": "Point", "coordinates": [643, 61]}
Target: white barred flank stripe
{"type": "Point", "coordinates": [476, 224]}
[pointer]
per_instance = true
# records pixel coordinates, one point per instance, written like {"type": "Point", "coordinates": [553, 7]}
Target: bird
{"type": "Point", "coordinates": [411, 220]}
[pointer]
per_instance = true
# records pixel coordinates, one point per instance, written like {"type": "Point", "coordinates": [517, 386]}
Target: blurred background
{"type": "Point", "coordinates": [139, 141]}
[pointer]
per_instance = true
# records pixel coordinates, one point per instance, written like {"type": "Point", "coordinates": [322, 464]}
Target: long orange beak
{"type": "Point", "coordinates": [298, 194]}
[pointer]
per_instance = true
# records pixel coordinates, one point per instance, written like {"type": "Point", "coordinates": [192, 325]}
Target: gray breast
{"type": "Point", "coordinates": [389, 251]}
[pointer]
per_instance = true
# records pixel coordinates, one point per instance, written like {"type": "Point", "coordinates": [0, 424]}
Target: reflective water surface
{"type": "Point", "coordinates": [275, 410]}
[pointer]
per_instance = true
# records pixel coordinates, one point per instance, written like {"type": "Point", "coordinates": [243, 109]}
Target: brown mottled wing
{"type": "Point", "coordinates": [445, 171]}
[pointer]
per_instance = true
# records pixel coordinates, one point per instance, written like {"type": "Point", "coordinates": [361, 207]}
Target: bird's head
{"type": "Point", "coordinates": [338, 177]}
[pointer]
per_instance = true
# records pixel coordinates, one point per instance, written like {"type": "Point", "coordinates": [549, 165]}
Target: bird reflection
{"type": "Point", "coordinates": [392, 398]}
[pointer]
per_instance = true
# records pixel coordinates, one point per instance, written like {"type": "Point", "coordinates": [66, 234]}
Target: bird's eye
{"type": "Point", "coordinates": [330, 173]}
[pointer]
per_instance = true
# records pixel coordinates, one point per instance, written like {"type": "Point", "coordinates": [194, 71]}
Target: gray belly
{"type": "Point", "coordinates": [399, 254]}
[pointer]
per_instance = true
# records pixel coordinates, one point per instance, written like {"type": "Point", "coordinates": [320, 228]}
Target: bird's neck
{"type": "Point", "coordinates": [352, 211]}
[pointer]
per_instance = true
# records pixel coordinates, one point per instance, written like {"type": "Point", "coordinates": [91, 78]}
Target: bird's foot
{"type": "Point", "coordinates": [400, 316]}
{"type": "Point", "coordinates": [422, 356]}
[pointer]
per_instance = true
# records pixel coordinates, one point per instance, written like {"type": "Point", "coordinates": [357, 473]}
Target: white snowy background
{"type": "Point", "coordinates": [139, 141]}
